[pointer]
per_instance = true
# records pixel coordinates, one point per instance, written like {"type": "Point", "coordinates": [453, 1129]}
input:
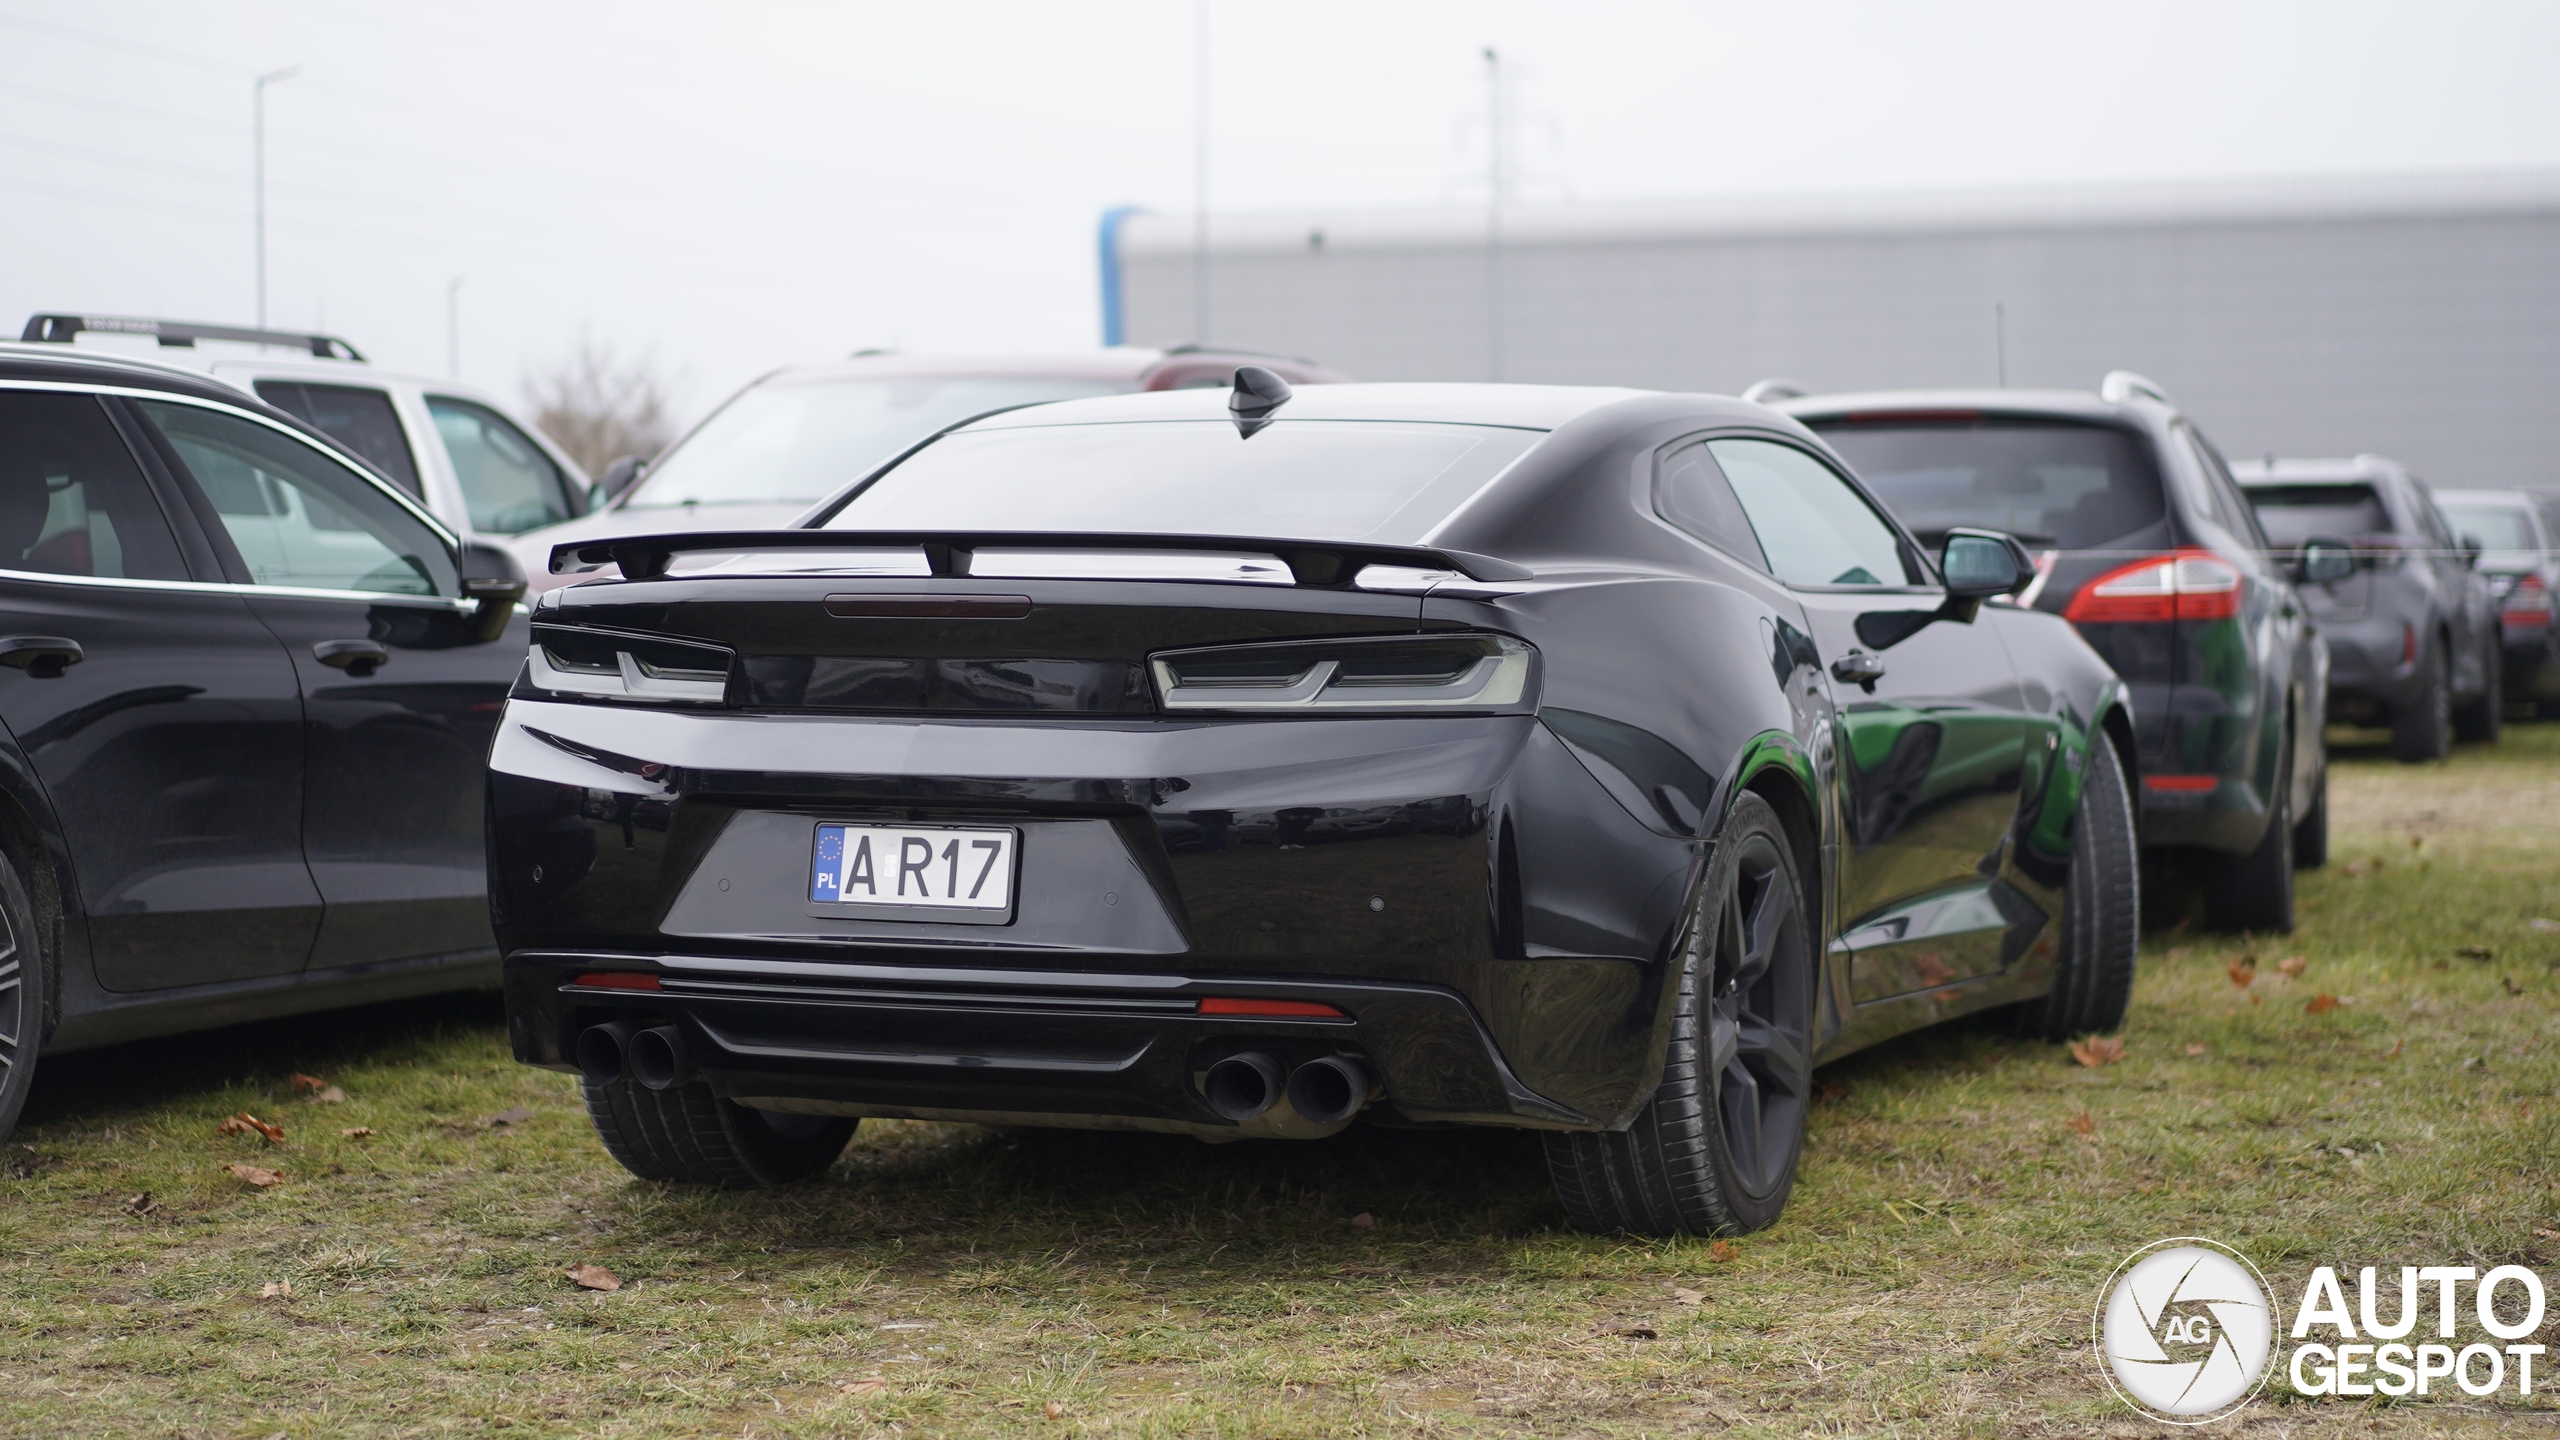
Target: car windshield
{"type": "Point", "coordinates": [2496, 527]}
{"type": "Point", "coordinates": [2051, 484]}
{"type": "Point", "coordinates": [2291, 514]}
{"type": "Point", "coordinates": [1310, 479]}
{"type": "Point", "coordinates": [798, 440]}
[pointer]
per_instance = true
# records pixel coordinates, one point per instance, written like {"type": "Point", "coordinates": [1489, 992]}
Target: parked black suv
{"type": "Point", "coordinates": [2412, 631]}
{"type": "Point", "coordinates": [248, 686]}
{"type": "Point", "coordinates": [2144, 542]}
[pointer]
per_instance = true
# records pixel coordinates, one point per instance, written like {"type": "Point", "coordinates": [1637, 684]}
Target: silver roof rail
{"type": "Point", "coordinates": [182, 334]}
{"type": "Point", "coordinates": [2123, 385]}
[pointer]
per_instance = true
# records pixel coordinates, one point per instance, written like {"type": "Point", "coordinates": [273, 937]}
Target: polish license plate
{"type": "Point", "coordinates": [914, 872]}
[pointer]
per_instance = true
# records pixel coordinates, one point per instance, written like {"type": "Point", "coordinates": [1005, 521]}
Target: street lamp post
{"type": "Point", "coordinates": [258, 133]}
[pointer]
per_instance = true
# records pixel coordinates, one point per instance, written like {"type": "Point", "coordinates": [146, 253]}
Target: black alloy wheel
{"type": "Point", "coordinates": [2423, 729]}
{"type": "Point", "coordinates": [2101, 911]}
{"type": "Point", "coordinates": [1716, 1150]}
{"type": "Point", "coordinates": [22, 996]}
{"type": "Point", "coordinates": [2479, 721]}
{"type": "Point", "coordinates": [688, 1134]}
{"type": "Point", "coordinates": [2255, 893]}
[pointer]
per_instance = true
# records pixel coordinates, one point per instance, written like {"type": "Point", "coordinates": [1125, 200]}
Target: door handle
{"type": "Point", "coordinates": [43, 657]}
{"type": "Point", "coordinates": [1859, 668]}
{"type": "Point", "coordinates": [358, 658]}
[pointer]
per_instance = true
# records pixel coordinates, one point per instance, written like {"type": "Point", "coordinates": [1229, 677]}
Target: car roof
{"type": "Point", "coordinates": [1130, 363]}
{"type": "Point", "coordinates": [1526, 407]}
{"type": "Point", "coordinates": [43, 361]}
{"type": "Point", "coordinates": [2316, 471]}
{"type": "Point", "coordinates": [2513, 499]}
{"type": "Point", "coordinates": [2024, 404]}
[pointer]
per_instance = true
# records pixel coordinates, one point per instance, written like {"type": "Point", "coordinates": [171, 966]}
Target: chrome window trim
{"type": "Point", "coordinates": [225, 587]}
{"type": "Point", "coordinates": [132, 392]}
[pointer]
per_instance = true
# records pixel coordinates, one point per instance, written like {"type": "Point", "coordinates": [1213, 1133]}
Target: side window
{"type": "Point", "coordinates": [508, 483]}
{"type": "Point", "coordinates": [2221, 491]}
{"type": "Point", "coordinates": [72, 500]}
{"type": "Point", "coordinates": [1813, 528]}
{"type": "Point", "coordinates": [356, 416]}
{"type": "Point", "coordinates": [1691, 493]}
{"type": "Point", "coordinates": [299, 516]}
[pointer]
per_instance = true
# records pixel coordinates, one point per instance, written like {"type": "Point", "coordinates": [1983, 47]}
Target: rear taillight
{"type": "Point", "coordinates": [2529, 603]}
{"type": "Point", "coordinates": [1467, 671]}
{"type": "Point", "coordinates": [599, 664]}
{"type": "Point", "coordinates": [2187, 585]}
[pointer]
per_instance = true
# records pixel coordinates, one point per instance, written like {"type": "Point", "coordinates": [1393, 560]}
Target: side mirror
{"type": "Point", "coordinates": [493, 582]}
{"type": "Point", "coordinates": [2324, 560]}
{"type": "Point", "coordinates": [1979, 564]}
{"type": "Point", "coordinates": [2471, 548]}
{"type": "Point", "coordinates": [619, 476]}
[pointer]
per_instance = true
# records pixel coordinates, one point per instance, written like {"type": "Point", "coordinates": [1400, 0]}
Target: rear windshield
{"type": "Point", "coordinates": [802, 440]}
{"type": "Point", "coordinates": [2291, 514]}
{"type": "Point", "coordinates": [2053, 485]}
{"type": "Point", "coordinates": [1307, 480]}
{"type": "Point", "coordinates": [2496, 527]}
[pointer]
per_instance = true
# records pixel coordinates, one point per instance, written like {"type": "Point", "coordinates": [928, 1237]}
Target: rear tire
{"type": "Point", "coordinates": [2422, 730]}
{"type": "Point", "coordinates": [23, 997]}
{"type": "Point", "coordinates": [687, 1134]}
{"type": "Point", "coordinates": [2311, 832]}
{"type": "Point", "coordinates": [2101, 912]}
{"type": "Point", "coordinates": [2256, 892]}
{"type": "Point", "coordinates": [1715, 1151]}
{"type": "Point", "coordinates": [2478, 722]}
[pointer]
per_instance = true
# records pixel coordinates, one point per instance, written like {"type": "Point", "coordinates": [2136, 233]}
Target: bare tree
{"type": "Point", "coordinates": [601, 405]}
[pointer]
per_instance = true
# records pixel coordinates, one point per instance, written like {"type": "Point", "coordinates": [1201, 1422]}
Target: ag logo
{"type": "Point", "coordinates": [2184, 1329]}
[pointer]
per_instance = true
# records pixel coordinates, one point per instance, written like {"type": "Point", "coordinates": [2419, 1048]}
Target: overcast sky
{"type": "Point", "coordinates": [734, 187]}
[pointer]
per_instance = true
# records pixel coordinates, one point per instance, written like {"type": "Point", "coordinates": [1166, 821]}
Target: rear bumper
{"type": "Point", "coordinates": [967, 1041]}
{"type": "Point", "coordinates": [2368, 679]}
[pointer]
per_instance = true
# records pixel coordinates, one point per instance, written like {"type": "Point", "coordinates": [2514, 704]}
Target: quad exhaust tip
{"type": "Point", "coordinates": [657, 1058]}
{"type": "Point", "coordinates": [1329, 1090]}
{"type": "Point", "coordinates": [1243, 1086]}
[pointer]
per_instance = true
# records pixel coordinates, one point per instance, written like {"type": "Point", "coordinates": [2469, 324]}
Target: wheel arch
{"type": "Point", "coordinates": [34, 846]}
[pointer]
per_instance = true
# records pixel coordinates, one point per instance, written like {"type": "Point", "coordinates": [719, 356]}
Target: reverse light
{"type": "Point", "coordinates": [1404, 672]}
{"type": "Point", "coordinates": [2189, 584]}
{"type": "Point", "coordinates": [2528, 603]}
{"type": "Point", "coordinates": [1270, 1009]}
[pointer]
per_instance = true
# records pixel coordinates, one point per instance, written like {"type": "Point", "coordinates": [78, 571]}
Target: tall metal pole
{"type": "Point", "coordinates": [453, 328]}
{"type": "Point", "coordinates": [1493, 216]}
{"type": "Point", "coordinates": [1200, 171]}
{"type": "Point", "coordinates": [258, 167]}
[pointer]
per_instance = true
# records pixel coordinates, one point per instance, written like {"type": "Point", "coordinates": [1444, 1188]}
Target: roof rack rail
{"type": "Point", "coordinates": [182, 334]}
{"type": "Point", "coordinates": [2123, 385]}
{"type": "Point", "coordinates": [1773, 390]}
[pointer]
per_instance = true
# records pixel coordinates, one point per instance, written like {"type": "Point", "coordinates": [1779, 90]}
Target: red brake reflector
{"type": "Point", "coordinates": [2181, 784]}
{"type": "Point", "coordinates": [1232, 1005]}
{"type": "Point", "coordinates": [617, 980]}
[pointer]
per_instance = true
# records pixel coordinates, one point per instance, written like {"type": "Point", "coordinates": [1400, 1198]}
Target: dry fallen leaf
{"type": "Point", "coordinates": [594, 1277]}
{"type": "Point", "coordinates": [264, 1179]}
{"type": "Point", "coordinates": [2356, 868]}
{"type": "Point", "coordinates": [301, 1081]}
{"type": "Point", "coordinates": [328, 1095]}
{"type": "Point", "coordinates": [1721, 1251]}
{"type": "Point", "coordinates": [2293, 966]}
{"type": "Point", "coordinates": [1364, 1221]}
{"type": "Point", "coordinates": [355, 1132]}
{"type": "Point", "coordinates": [276, 1290]}
{"type": "Point", "coordinates": [2098, 1050]}
{"type": "Point", "coordinates": [1831, 1090]}
{"type": "Point", "coordinates": [2257, 999]}
{"type": "Point", "coordinates": [2317, 1004]}
{"type": "Point", "coordinates": [1688, 1297]}
{"type": "Point", "coordinates": [141, 1204]}
{"type": "Point", "coordinates": [2083, 1124]}
{"type": "Point", "coordinates": [867, 1385]}
{"type": "Point", "coordinates": [2394, 1052]}
{"type": "Point", "coordinates": [1053, 1409]}
{"type": "Point", "coordinates": [1633, 1332]}
{"type": "Point", "coordinates": [516, 1116]}
{"type": "Point", "coordinates": [244, 1122]}
{"type": "Point", "coordinates": [2541, 1234]}
{"type": "Point", "coordinates": [2512, 987]}
{"type": "Point", "coordinates": [2417, 840]}
{"type": "Point", "coordinates": [2243, 970]}
{"type": "Point", "coordinates": [2196, 1049]}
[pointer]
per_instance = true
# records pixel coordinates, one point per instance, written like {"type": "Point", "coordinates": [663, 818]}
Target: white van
{"type": "Point", "coordinates": [458, 450]}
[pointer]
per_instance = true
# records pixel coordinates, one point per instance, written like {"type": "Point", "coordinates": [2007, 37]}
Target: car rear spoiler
{"type": "Point", "coordinates": [946, 552]}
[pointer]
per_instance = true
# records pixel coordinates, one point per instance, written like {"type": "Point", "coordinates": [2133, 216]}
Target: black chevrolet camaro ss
{"type": "Point", "coordinates": [1245, 764]}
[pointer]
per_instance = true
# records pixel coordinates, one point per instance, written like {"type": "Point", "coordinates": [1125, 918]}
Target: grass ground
{"type": "Point", "coordinates": [1964, 1198]}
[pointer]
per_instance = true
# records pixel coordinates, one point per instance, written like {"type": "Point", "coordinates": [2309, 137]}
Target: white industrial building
{"type": "Point", "coordinates": [2417, 317]}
